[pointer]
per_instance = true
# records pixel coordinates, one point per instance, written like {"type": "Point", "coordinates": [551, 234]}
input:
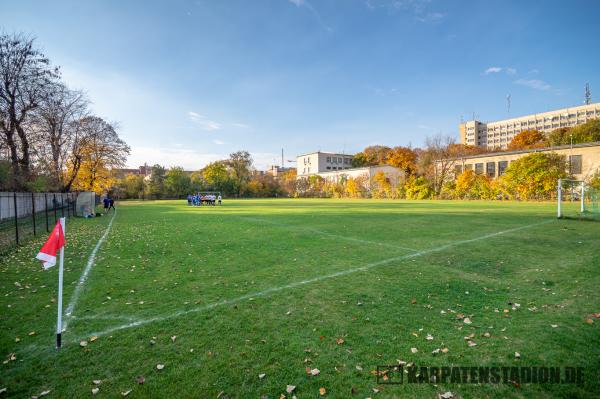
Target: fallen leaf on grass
{"type": "Point", "coordinates": [589, 321]}
{"type": "Point", "coordinates": [429, 337]}
{"type": "Point", "coordinates": [446, 395]}
{"type": "Point", "coordinates": [2, 390]}
{"type": "Point", "coordinates": [83, 344]}
{"type": "Point", "coordinates": [160, 366]}
{"type": "Point", "coordinates": [445, 350]}
{"type": "Point", "coordinates": [95, 391]}
{"type": "Point", "coordinates": [31, 333]}
{"type": "Point", "coordinates": [517, 355]}
{"type": "Point", "coordinates": [314, 372]}
{"type": "Point", "coordinates": [339, 341]}
{"type": "Point", "coordinates": [92, 339]}
{"type": "Point", "coordinates": [471, 343]}
{"type": "Point", "coordinates": [414, 350]}
{"type": "Point", "coordinates": [173, 338]}
{"type": "Point", "coordinates": [261, 376]}
{"type": "Point", "coordinates": [466, 320]}
{"type": "Point", "coordinates": [290, 388]}
{"type": "Point", "coordinates": [322, 391]}
{"type": "Point", "coordinates": [140, 379]}
{"type": "Point", "coordinates": [126, 393]}
{"type": "Point", "coordinates": [97, 382]}
{"type": "Point", "coordinates": [553, 325]}
{"type": "Point", "coordinates": [17, 339]}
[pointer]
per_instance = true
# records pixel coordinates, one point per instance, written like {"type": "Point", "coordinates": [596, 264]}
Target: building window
{"type": "Point", "coordinates": [328, 159]}
{"type": "Point", "coordinates": [457, 170]}
{"type": "Point", "coordinates": [491, 169]}
{"type": "Point", "coordinates": [502, 165]}
{"type": "Point", "coordinates": [575, 164]}
{"type": "Point", "coordinates": [346, 161]}
{"type": "Point", "coordinates": [479, 168]}
{"type": "Point", "coordinates": [468, 166]}
{"type": "Point", "coordinates": [329, 168]}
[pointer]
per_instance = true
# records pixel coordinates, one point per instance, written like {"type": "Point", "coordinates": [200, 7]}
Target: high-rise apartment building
{"type": "Point", "coordinates": [497, 135]}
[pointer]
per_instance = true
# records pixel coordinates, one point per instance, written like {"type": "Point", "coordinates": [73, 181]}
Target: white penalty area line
{"type": "Point", "coordinates": [327, 234]}
{"type": "Point", "coordinates": [84, 274]}
{"type": "Point", "coordinates": [269, 291]}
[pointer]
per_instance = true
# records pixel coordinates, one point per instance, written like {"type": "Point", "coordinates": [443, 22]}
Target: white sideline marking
{"type": "Point", "coordinates": [324, 233]}
{"type": "Point", "coordinates": [86, 271]}
{"type": "Point", "coordinates": [305, 282]}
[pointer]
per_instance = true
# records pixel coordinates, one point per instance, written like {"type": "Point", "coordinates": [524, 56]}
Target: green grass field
{"type": "Point", "coordinates": [222, 295]}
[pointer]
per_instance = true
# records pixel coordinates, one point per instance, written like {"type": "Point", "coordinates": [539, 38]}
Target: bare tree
{"type": "Point", "coordinates": [25, 77]}
{"type": "Point", "coordinates": [434, 160]}
{"type": "Point", "coordinates": [56, 121]}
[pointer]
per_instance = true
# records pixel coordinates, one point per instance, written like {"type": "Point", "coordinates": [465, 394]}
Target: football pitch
{"type": "Point", "coordinates": [246, 299]}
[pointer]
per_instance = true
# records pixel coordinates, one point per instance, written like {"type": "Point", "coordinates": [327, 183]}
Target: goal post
{"type": "Point", "coordinates": [576, 200]}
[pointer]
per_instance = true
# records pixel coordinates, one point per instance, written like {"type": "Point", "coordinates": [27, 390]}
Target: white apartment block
{"type": "Point", "coordinates": [317, 162]}
{"type": "Point", "coordinates": [497, 135]}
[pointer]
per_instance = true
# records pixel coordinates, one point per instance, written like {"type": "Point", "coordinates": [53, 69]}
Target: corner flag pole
{"type": "Point", "coordinates": [60, 289]}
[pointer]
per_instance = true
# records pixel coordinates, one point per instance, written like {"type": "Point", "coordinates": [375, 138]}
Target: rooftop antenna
{"type": "Point", "coordinates": [588, 94]}
{"type": "Point", "coordinates": [282, 164]}
{"type": "Point", "coordinates": [508, 104]}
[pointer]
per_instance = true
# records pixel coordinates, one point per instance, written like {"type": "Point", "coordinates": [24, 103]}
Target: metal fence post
{"type": "Point", "coordinates": [46, 209]}
{"type": "Point", "coordinates": [33, 211]}
{"type": "Point", "coordinates": [16, 217]}
{"type": "Point", "coordinates": [54, 201]}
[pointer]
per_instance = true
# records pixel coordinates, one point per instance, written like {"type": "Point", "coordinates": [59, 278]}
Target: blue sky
{"type": "Point", "coordinates": [191, 81]}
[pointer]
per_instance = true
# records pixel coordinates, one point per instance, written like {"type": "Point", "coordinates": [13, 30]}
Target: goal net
{"type": "Point", "coordinates": [576, 200]}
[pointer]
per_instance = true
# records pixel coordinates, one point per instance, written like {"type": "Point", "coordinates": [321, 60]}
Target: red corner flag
{"type": "Point", "coordinates": [55, 242]}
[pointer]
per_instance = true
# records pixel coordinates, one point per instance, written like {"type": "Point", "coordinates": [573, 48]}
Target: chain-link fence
{"type": "Point", "coordinates": [25, 215]}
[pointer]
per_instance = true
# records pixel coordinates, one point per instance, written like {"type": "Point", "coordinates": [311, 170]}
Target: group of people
{"type": "Point", "coordinates": [199, 200]}
{"type": "Point", "coordinates": [109, 204]}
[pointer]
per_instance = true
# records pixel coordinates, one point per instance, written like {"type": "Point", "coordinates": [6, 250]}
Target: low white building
{"type": "Point", "coordinates": [366, 174]}
{"type": "Point", "coordinates": [318, 162]}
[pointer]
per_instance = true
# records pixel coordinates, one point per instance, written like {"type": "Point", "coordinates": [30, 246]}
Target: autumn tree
{"type": "Point", "coordinates": [240, 164]}
{"type": "Point", "coordinates": [584, 133]}
{"type": "Point", "coordinates": [527, 139]}
{"type": "Point", "coordinates": [534, 176]}
{"type": "Point", "coordinates": [25, 78]}
{"type": "Point", "coordinates": [470, 185]}
{"type": "Point", "coordinates": [215, 176]}
{"type": "Point", "coordinates": [177, 182]}
{"type": "Point", "coordinates": [132, 186]}
{"type": "Point", "coordinates": [371, 156]}
{"type": "Point", "coordinates": [404, 158]}
{"type": "Point", "coordinates": [99, 150]}
{"type": "Point", "coordinates": [381, 187]}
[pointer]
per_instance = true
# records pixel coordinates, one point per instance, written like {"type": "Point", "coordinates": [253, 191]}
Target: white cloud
{"type": "Point", "coordinates": [534, 84]}
{"type": "Point", "coordinates": [430, 17]}
{"type": "Point", "coordinates": [495, 69]}
{"type": "Point", "coordinates": [241, 125]}
{"type": "Point", "coordinates": [492, 70]}
{"type": "Point", "coordinates": [218, 142]}
{"type": "Point", "coordinates": [202, 122]}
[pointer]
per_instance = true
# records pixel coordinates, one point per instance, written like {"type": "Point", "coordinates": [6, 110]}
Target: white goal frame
{"type": "Point", "coordinates": [559, 197]}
